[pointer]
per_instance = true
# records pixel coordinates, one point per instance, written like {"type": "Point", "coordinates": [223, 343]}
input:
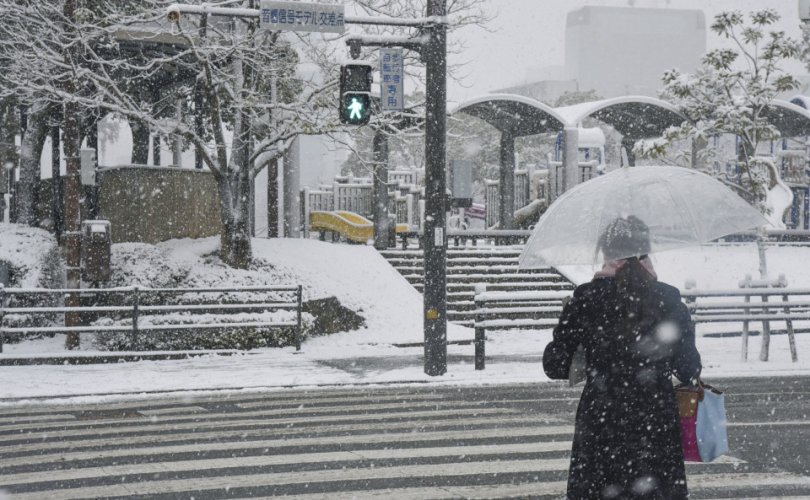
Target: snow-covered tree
{"type": "Point", "coordinates": [130, 62]}
{"type": "Point", "coordinates": [208, 81]}
{"type": "Point", "coordinates": [731, 91]}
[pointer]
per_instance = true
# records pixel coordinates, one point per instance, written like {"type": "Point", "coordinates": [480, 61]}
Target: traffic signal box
{"type": "Point", "coordinates": [355, 93]}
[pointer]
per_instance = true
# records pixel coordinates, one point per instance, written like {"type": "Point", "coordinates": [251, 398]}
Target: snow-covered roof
{"type": "Point", "coordinates": [634, 117]}
{"type": "Point", "coordinates": [515, 114]}
{"type": "Point", "coordinates": [792, 119]}
{"type": "Point", "coordinates": [802, 101]}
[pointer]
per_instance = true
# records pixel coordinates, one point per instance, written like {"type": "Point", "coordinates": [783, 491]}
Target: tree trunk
{"type": "Point", "coordinates": [234, 187]}
{"type": "Point", "coordinates": [30, 154]}
{"type": "Point", "coordinates": [235, 245]}
{"type": "Point", "coordinates": [140, 142]}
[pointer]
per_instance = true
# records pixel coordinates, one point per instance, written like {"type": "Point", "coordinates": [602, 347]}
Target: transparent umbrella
{"type": "Point", "coordinates": [681, 207]}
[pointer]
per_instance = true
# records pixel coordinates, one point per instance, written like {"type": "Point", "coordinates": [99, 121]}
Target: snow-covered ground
{"type": "Point", "coordinates": [364, 281]}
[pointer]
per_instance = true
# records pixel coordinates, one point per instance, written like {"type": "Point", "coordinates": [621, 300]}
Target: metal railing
{"type": "Point", "coordinates": [45, 308]}
{"type": "Point", "coordinates": [460, 238]}
{"type": "Point", "coordinates": [735, 306]}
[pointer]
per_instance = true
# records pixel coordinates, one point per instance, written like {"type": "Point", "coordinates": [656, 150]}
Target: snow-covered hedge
{"type": "Point", "coordinates": [32, 255]}
{"type": "Point", "coordinates": [193, 264]}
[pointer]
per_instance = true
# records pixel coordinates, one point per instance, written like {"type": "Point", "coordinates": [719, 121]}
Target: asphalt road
{"type": "Point", "coordinates": [414, 442]}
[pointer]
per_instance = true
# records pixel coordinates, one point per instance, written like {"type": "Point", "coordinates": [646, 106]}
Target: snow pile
{"type": "Point", "coordinates": [357, 275]}
{"type": "Point", "coordinates": [31, 254]}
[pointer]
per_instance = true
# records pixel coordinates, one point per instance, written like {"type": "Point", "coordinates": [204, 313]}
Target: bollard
{"type": "Point", "coordinates": [480, 332]}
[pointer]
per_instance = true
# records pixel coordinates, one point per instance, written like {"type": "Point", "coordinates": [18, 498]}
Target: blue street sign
{"type": "Point", "coordinates": [392, 76]}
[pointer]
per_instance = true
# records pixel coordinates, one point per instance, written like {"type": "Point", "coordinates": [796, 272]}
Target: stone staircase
{"type": "Point", "coordinates": [496, 267]}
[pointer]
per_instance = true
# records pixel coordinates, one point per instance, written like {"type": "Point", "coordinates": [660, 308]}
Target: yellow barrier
{"type": "Point", "coordinates": [354, 227]}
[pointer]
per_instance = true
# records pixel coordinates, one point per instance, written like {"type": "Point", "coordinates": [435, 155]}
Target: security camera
{"type": "Point", "coordinates": [173, 13]}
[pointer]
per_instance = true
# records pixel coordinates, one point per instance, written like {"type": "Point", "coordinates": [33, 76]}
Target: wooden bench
{"type": "Point", "coordinates": [514, 311]}
{"type": "Point", "coordinates": [773, 304]}
{"type": "Point", "coordinates": [541, 310]}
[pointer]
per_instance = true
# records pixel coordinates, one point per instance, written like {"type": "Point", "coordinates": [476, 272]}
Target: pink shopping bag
{"type": "Point", "coordinates": [689, 441]}
{"type": "Point", "coordinates": [688, 398]}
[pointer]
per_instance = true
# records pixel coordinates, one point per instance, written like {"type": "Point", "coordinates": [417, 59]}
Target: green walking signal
{"type": "Point", "coordinates": [355, 93]}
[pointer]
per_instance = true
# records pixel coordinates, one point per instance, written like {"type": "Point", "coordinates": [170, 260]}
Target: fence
{"type": "Point", "coordinates": [736, 306]}
{"type": "Point", "coordinates": [493, 195]}
{"type": "Point", "coordinates": [144, 310]}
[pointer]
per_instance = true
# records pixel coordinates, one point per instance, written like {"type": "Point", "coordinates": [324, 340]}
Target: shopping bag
{"type": "Point", "coordinates": [710, 425]}
{"type": "Point", "coordinates": [702, 414]}
{"type": "Point", "coordinates": [688, 398]}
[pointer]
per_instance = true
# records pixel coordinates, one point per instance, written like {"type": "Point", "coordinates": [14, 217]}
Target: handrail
{"type": "Point", "coordinates": [137, 307]}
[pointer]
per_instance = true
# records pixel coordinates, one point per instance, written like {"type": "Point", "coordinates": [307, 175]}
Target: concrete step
{"type": "Point", "coordinates": [478, 277]}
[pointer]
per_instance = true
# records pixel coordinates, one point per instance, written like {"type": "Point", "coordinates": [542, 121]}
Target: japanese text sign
{"type": "Point", "coordinates": [392, 95]}
{"type": "Point", "coordinates": [299, 16]}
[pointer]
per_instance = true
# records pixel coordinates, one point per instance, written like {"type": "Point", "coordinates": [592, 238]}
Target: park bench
{"type": "Point", "coordinates": [514, 311]}
{"type": "Point", "coordinates": [755, 302]}
{"type": "Point", "coordinates": [142, 311]}
{"type": "Point", "coordinates": [541, 310]}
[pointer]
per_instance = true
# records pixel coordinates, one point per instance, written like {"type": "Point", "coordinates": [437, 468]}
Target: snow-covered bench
{"type": "Point", "coordinates": [735, 306]}
{"type": "Point", "coordinates": [514, 311]}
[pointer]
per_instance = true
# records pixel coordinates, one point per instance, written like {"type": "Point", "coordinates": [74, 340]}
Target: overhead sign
{"type": "Point", "coordinates": [804, 10]}
{"type": "Point", "coordinates": [299, 16]}
{"type": "Point", "coordinates": [392, 94]}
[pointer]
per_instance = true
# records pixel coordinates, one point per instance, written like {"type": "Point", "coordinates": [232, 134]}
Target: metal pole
{"type": "Point", "coordinates": [435, 234]}
{"type": "Point", "coordinates": [380, 190]}
{"type": "Point", "coordinates": [57, 203]}
{"type": "Point", "coordinates": [72, 190]}
{"type": "Point", "coordinates": [506, 186]}
{"type": "Point", "coordinates": [570, 158]}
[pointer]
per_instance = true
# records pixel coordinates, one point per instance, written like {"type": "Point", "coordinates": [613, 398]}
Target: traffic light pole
{"type": "Point", "coordinates": [433, 47]}
{"type": "Point", "coordinates": [435, 233]}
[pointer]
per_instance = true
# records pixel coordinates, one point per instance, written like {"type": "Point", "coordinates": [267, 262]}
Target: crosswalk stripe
{"type": "Point", "coordinates": [356, 440]}
{"type": "Point", "coordinates": [158, 425]}
{"type": "Point", "coordinates": [303, 477]}
{"type": "Point", "coordinates": [746, 480]}
{"type": "Point", "coordinates": [174, 410]}
{"type": "Point", "coordinates": [173, 486]}
{"type": "Point", "coordinates": [279, 397]}
{"type": "Point", "coordinates": [354, 455]}
{"type": "Point", "coordinates": [296, 411]}
{"type": "Point", "coordinates": [485, 492]}
{"type": "Point", "coordinates": [472, 425]}
{"type": "Point", "coordinates": [438, 493]}
{"type": "Point", "coordinates": [35, 418]}
{"type": "Point", "coordinates": [775, 423]}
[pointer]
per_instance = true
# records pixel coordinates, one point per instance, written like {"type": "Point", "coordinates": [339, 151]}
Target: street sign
{"type": "Point", "coordinates": [87, 166]}
{"type": "Point", "coordinates": [804, 10]}
{"type": "Point", "coordinates": [392, 96]}
{"type": "Point", "coordinates": [299, 16]}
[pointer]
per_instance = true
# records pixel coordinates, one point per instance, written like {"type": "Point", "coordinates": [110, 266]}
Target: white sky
{"type": "Point", "coordinates": [528, 35]}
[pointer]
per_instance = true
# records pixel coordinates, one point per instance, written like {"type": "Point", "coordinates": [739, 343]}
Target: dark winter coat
{"type": "Point", "coordinates": [627, 435]}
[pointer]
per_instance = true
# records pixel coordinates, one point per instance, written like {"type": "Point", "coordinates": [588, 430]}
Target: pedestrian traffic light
{"type": "Point", "coordinates": [355, 93]}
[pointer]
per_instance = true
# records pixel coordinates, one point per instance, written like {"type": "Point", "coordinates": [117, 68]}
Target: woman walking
{"type": "Point", "coordinates": [636, 333]}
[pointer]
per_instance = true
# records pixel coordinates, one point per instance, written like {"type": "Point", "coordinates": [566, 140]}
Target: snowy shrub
{"type": "Point", "coordinates": [34, 260]}
{"type": "Point", "coordinates": [208, 338]}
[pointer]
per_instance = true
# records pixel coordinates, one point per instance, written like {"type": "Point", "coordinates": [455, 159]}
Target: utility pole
{"type": "Point", "coordinates": [72, 187]}
{"type": "Point", "coordinates": [435, 236]}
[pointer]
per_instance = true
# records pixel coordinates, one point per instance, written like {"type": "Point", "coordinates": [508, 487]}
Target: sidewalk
{"type": "Point", "coordinates": [512, 357]}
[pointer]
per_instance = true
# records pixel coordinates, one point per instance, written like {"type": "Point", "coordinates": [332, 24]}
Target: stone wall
{"type": "Point", "coordinates": [152, 204]}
